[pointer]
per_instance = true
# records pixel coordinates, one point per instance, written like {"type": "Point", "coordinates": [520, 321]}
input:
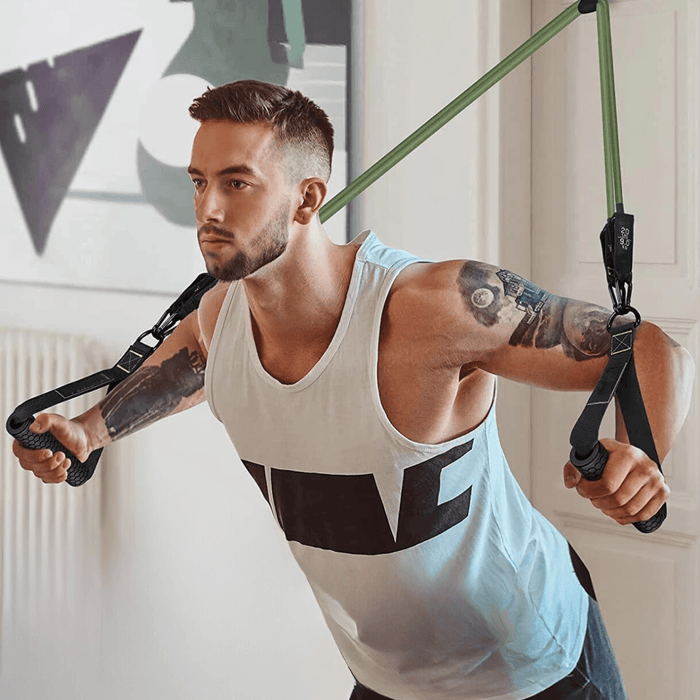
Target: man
{"type": "Point", "coordinates": [357, 383]}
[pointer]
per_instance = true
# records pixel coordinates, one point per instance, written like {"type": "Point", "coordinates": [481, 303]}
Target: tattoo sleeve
{"type": "Point", "coordinates": [152, 392]}
{"type": "Point", "coordinates": [547, 320]}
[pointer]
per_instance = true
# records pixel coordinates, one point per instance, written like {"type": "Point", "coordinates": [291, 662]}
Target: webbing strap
{"type": "Point", "coordinates": [584, 436]}
{"type": "Point", "coordinates": [635, 415]}
{"type": "Point", "coordinates": [130, 361]}
{"type": "Point", "coordinates": [618, 379]}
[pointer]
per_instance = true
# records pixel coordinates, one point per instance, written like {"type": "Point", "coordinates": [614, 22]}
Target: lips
{"type": "Point", "coordinates": [212, 238]}
{"type": "Point", "coordinates": [209, 234]}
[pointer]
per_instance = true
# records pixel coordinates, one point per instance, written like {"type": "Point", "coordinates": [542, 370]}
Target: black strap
{"type": "Point", "coordinates": [635, 415]}
{"type": "Point", "coordinates": [618, 379]}
{"type": "Point", "coordinates": [132, 359]}
{"type": "Point", "coordinates": [137, 353]}
{"type": "Point", "coordinates": [584, 436]}
{"type": "Point", "coordinates": [620, 376]}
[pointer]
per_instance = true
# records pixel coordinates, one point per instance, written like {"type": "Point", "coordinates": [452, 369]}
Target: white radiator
{"type": "Point", "coordinates": [50, 584]}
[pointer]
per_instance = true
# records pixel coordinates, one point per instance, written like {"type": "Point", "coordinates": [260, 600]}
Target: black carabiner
{"type": "Point", "coordinates": [623, 311]}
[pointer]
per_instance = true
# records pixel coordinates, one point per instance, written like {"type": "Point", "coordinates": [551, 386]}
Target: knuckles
{"type": "Point", "coordinates": [630, 483]}
{"type": "Point", "coordinates": [616, 500]}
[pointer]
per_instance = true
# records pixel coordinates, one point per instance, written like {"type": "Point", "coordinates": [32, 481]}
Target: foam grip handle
{"type": "Point", "coordinates": [78, 472]}
{"type": "Point", "coordinates": [591, 468]}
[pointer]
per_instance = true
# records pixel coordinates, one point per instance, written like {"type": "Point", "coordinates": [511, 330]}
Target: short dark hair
{"type": "Point", "coordinates": [300, 126]}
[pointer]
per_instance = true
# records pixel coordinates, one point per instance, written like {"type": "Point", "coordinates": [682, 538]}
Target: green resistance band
{"type": "Point", "coordinates": [495, 75]}
{"type": "Point", "coordinates": [613, 173]}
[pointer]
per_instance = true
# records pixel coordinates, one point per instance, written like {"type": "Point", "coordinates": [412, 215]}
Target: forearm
{"type": "Point", "coordinates": [665, 371]}
{"type": "Point", "coordinates": [160, 388]}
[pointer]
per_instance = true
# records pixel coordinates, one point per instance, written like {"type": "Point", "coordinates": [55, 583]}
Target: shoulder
{"type": "Point", "coordinates": [453, 279]}
{"type": "Point", "coordinates": [419, 278]}
{"type": "Point", "coordinates": [436, 300]}
{"type": "Point", "coordinates": [208, 312]}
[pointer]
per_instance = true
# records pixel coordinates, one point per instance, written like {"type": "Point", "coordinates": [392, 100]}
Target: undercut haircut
{"type": "Point", "coordinates": [301, 128]}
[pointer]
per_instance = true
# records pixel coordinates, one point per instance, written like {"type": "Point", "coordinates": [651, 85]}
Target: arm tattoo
{"type": "Point", "coordinates": [152, 393]}
{"type": "Point", "coordinates": [549, 320]}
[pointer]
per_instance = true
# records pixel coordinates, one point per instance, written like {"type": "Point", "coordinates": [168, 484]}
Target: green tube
{"type": "Point", "coordinates": [605, 110]}
{"type": "Point", "coordinates": [424, 132]}
{"type": "Point", "coordinates": [617, 168]}
{"type": "Point", "coordinates": [611, 145]}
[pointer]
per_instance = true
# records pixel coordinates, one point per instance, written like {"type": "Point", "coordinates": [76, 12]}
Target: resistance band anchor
{"type": "Point", "coordinates": [587, 6]}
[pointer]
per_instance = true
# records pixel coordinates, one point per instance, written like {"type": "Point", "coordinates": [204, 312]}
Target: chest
{"type": "Point", "coordinates": [424, 400]}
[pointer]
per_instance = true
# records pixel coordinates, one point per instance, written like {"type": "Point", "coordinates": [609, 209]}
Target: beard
{"type": "Point", "coordinates": [263, 249]}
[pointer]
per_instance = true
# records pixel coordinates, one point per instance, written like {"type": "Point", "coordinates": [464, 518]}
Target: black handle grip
{"type": "Point", "coordinates": [591, 468]}
{"type": "Point", "coordinates": [78, 472]}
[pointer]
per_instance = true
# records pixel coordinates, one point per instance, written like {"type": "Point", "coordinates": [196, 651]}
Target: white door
{"type": "Point", "coordinates": [647, 585]}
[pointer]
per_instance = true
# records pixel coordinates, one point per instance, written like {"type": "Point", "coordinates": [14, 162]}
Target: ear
{"type": "Point", "coordinates": [312, 192]}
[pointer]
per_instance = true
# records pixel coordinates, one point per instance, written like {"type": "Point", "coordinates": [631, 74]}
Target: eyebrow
{"type": "Point", "coordinates": [231, 170]}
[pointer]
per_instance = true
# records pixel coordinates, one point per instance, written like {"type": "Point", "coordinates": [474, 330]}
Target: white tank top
{"type": "Point", "coordinates": [435, 575]}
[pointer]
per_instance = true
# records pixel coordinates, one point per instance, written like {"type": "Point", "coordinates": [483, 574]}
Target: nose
{"type": "Point", "coordinates": [208, 206]}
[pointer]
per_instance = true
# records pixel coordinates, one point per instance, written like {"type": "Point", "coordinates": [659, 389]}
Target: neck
{"type": "Point", "coordinates": [301, 295]}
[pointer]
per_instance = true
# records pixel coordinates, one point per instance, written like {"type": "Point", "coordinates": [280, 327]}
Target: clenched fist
{"type": "Point", "coordinates": [632, 488]}
{"type": "Point", "coordinates": [51, 467]}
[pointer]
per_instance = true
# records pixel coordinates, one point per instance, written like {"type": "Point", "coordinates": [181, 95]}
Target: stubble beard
{"type": "Point", "coordinates": [264, 249]}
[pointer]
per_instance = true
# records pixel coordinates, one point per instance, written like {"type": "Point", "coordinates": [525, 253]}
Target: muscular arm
{"type": "Point", "coordinates": [558, 343]}
{"type": "Point", "coordinates": [170, 381]}
{"type": "Point", "coordinates": [527, 334]}
{"type": "Point", "coordinates": [484, 318]}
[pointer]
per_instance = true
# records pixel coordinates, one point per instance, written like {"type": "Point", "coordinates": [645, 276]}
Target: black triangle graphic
{"type": "Point", "coordinates": [48, 115]}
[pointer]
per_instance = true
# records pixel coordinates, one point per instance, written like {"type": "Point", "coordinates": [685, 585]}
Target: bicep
{"type": "Point", "coordinates": [525, 333]}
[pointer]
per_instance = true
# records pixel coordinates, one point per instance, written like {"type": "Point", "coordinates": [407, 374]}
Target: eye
{"type": "Point", "coordinates": [197, 182]}
{"type": "Point", "coordinates": [238, 184]}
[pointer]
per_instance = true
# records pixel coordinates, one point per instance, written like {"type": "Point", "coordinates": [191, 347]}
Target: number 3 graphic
{"type": "Point", "coordinates": [228, 42]}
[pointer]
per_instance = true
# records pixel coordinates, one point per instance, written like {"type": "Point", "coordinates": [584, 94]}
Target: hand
{"type": "Point", "coordinates": [49, 467]}
{"type": "Point", "coordinates": [632, 488]}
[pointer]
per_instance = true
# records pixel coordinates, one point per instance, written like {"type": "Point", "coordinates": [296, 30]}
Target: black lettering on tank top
{"type": "Point", "coordinates": [345, 513]}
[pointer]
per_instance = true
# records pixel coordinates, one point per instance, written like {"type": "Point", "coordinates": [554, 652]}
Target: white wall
{"type": "Point", "coordinates": [424, 55]}
{"type": "Point", "coordinates": [201, 597]}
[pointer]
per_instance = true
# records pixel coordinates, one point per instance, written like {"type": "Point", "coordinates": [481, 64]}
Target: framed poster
{"type": "Point", "coordinates": [95, 135]}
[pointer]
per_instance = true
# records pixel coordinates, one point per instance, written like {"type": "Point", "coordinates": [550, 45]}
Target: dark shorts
{"type": "Point", "coordinates": [596, 676]}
